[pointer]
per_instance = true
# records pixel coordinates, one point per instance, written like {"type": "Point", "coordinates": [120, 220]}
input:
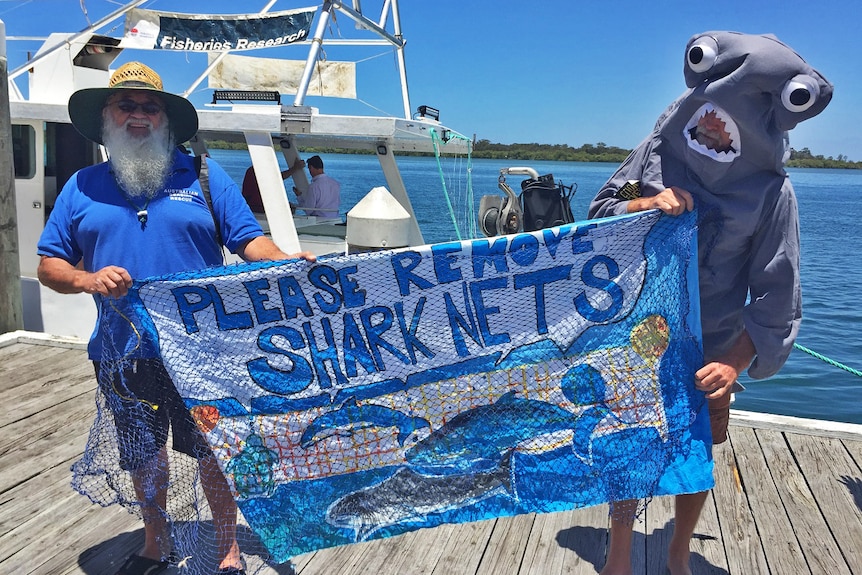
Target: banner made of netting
{"type": "Point", "coordinates": [368, 395]}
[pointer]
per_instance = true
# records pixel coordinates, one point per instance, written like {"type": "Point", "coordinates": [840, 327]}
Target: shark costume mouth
{"type": "Point", "coordinates": [690, 131]}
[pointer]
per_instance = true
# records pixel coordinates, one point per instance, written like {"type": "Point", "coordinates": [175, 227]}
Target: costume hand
{"type": "Point", "coordinates": [112, 281]}
{"type": "Point", "coordinates": [672, 201]}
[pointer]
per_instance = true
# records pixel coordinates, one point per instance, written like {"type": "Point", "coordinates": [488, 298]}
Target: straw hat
{"type": "Point", "coordinates": [85, 106]}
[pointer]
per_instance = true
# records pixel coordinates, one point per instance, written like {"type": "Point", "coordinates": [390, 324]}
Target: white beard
{"type": "Point", "coordinates": [141, 165]}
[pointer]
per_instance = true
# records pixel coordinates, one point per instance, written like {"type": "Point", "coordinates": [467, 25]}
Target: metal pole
{"type": "Point", "coordinates": [313, 52]}
{"type": "Point", "coordinates": [11, 308]}
{"type": "Point", "coordinates": [402, 65]}
{"type": "Point", "coordinates": [68, 42]}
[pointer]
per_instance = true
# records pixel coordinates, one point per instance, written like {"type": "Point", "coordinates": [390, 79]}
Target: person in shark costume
{"type": "Point", "coordinates": [721, 148]}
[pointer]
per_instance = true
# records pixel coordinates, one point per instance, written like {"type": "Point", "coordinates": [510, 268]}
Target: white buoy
{"type": "Point", "coordinates": [377, 222]}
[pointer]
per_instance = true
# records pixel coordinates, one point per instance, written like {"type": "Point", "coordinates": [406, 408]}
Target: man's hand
{"type": "Point", "coordinates": [63, 277]}
{"type": "Point", "coordinates": [672, 201]}
{"type": "Point", "coordinates": [112, 281]}
{"type": "Point", "coordinates": [262, 248]}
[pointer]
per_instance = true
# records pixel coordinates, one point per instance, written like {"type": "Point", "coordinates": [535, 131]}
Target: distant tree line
{"type": "Point", "coordinates": [805, 159]}
{"type": "Point", "coordinates": [599, 152]}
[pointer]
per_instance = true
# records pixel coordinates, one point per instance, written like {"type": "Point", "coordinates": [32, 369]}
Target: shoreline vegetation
{"type": "Point", "coordinates": [599, 152]}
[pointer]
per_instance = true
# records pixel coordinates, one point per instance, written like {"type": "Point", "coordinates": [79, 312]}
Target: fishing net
{"type": "Point", "coordinates": [369, 395]}
{"type": "Point", "coordinates": [456, 179]}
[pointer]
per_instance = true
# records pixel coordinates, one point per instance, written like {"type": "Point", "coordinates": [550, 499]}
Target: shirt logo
{"type": "Point", "coordinates": [182, 195]}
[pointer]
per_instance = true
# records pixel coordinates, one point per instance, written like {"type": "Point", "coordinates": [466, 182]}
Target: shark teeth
{"type": "Point", "coordinates": [729, 126]}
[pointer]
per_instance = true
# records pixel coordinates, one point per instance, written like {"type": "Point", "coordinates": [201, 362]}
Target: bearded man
{"type": "Point", "coordinates": [140, 214]}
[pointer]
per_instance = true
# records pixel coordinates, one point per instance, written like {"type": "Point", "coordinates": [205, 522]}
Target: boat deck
{"type": "Point", "coordinates": [788, 499]}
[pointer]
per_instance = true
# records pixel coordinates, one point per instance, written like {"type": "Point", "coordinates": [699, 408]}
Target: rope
{"type": "Point", "coordinates": [821, 357]}
{"type": "Point", "coordinates": [436, 140]}
{"type": "Point", "coordinates": [153, 406]}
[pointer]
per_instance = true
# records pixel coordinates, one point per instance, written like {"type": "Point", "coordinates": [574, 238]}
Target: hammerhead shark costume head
{"type": "Point", "coordinates": [756, 89]}
{"type": "Point", "coordinates": [758, 86]}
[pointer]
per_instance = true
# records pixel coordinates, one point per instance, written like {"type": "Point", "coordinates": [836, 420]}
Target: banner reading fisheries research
{"type": "Point", "coordinates": [150, 29]}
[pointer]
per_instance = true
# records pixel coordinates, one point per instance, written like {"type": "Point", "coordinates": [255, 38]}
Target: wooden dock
{"type": "Point", "coordinates": [788, 499]}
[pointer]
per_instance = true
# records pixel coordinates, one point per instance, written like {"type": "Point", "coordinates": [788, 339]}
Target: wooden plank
{"type": "Point", "coordinates": [588, 539]}
{"type": "Point", "coordinates": [34, 496]}
{"type": "Point", "coordinates": [340, 559]}
{"type": "Point", "coordinates": [825, 463]}
{"type": "Point", "coordinates": [506, 545]}
{"type": "Point", "coordinates": [545, 552]}
{"type": "Point", "coordinates": [106, 557]}
{"type": "Point", "coordinates": [378, 556]}
{"type": "Point", "coordinates": [41, 426]}
{"type": "Point", "coordinates": [658, 530]}
{"type": "Point", "coordinates": [19, 356]}
{"type": "Point", "coordinates": [738, 530]}
{"type": "Point", "coordinates": [708, 553]}
{"type": "Point", "coordinates": [817, 427]}
{"type": "Point", "coordinates": [854, 448]}
{"type": "Point", "coordinates": [421, 553]}
{"type": "Point", "coordinates": [63, 445]}
{"type": "Point", "coordinates": [808, 524]}
{"type": "Point", "coordinates": [464, 550]}
{"type": "Point", "coordinates": [707, 549]}
{"type": "Point", "coordinates": [782, 550]}
{"type": "Point", "coordinates": [77, 527]}
{"type": "Point", "coordinates": [46, 390]}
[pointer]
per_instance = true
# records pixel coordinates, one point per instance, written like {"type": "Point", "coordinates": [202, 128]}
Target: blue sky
{"type": "Point", "coordinates": [534, 71]}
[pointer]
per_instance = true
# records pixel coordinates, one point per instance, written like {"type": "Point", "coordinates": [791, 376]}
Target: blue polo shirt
{"type": "Point", "coordinates": [95, 223]}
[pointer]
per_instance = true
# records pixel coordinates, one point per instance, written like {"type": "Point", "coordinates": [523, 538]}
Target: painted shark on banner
{"type": "Point", "coordinates": [368, 395]}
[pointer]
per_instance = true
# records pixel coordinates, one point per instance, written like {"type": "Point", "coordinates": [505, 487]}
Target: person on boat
{"type": "Point", "coordinates": [323, 195]}
{"type": "Point", "coordinates": [721, 148]}
{"type": "Point", "coordinates": [144, 213]}
{"type": "Point", "coordinates": [251, 189]}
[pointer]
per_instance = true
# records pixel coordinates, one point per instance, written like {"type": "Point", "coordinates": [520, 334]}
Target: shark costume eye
{"type": "Point", "coordinates": [800, 93]}
{"type": "Point", "coordinates": [702, 54]}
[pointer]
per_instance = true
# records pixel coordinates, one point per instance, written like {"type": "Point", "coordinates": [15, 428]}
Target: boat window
{"type": "Point", "coordinates": [24, 151]}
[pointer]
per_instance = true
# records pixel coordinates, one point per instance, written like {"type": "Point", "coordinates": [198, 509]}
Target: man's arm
{"type": "Point", "coordinates": [262, 248]}
{"type": "Point", "coordinates": [63, 277]}
{"type": "Point", "coordinates": [297, 165]}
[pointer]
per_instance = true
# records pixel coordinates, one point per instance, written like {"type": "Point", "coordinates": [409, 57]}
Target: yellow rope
{"type": "Point", "coordinates": [152, 405]}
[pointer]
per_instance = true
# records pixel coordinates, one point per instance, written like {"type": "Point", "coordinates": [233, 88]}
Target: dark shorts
{"type": "Point", "coordinates": [719, 417]}
{"type": "Point", "coordinates": [145, 406]}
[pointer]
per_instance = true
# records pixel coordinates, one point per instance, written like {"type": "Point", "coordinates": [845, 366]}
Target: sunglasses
{"type": "Point", "coordinates": [148, 108]}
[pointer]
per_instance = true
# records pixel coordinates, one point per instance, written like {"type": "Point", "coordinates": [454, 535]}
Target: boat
{"type": "Point", "coordinates": [48, 150]}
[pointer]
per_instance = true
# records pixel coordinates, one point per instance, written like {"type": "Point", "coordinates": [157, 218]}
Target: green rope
{"type": "Point", "coordinates": [435, 138]}
{"type": "Point", "coordinates": [827, 360]}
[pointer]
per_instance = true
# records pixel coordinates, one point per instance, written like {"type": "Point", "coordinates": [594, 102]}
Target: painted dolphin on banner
{"type": "Point", "coordinates": [352, 415]}
{"type": "Point", "coordinates": [474, 440]}
{"type": "Point", "coordinates": [411, 496]}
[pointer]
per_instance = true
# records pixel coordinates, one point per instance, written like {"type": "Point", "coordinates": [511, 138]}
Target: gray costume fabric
{"type": "Point", "coordinates": [748, 228]}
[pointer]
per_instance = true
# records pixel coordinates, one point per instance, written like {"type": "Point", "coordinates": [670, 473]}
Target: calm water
{"type": "Point", "coordinates": [830, 212]}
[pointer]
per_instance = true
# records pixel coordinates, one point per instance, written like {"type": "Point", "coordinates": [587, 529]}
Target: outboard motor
{"type": "Point", "coordinates": [541, 204]}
